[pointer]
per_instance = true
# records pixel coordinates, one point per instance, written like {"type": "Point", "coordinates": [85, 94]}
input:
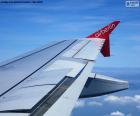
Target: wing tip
{"type": "Point", "coordinates": [104, 33]}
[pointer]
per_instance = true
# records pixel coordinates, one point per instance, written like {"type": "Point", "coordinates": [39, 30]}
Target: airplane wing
{"type": "Point", "coordinates": [48, 81]}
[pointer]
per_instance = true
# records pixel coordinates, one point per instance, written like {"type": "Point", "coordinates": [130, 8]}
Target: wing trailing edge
{"type": "Point", "coordinates": [104, 34]}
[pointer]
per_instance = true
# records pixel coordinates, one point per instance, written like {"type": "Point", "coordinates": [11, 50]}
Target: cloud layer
{"type": "Point", "coordinates": [117, 113]}
{"type": "Point", "coordinates": [123, 99]}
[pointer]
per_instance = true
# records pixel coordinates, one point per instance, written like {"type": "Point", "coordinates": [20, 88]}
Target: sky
{"type": "Point", "coordinates": [24, 27]}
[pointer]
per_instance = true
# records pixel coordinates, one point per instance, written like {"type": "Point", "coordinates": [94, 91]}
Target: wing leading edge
{"type": "Point", "coordinates": [60, 74]}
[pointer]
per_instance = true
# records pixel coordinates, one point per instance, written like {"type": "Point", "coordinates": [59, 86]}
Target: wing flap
{"type": "Point", "coordinates": [69, 98]}
{"type": "Point", "coordinates": [86, 49]}
{"type": "Point", "coordinates": [76, 48]}
{"type": "Point", "coordinates": [74, 67]}
{"type": "Point", "coordinates": [32, 90]}
{"type": "Point", "coordinates": [14, 114]}
{"type": "Point", "coordinates": [24, 98]}
{"type": "Point", "coordinates": [98, 85]}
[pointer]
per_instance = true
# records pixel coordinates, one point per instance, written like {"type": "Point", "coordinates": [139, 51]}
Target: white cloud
{"type": "Point", "coordinates": [137, 98]}
{"type": "Point", "coordinates": [94, 103]}
{"type": "Point", "coordinates": [138, 107]}
{"type": "Point", "coordinates": [117, 113]}
{"type": "Point", "coordinates": [123, 99]}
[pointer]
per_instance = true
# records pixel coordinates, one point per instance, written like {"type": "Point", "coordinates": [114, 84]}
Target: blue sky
{"type": "Point", "coordinates": [27, 26]}
{"type": "Point", "coordinates": [24, 27]}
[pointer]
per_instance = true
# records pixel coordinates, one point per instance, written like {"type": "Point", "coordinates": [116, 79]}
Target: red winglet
{"type": "Point", "coordinates": [104, 33]}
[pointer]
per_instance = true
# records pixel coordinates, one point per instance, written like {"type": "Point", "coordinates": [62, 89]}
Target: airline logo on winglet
{"type": "Point", "coordinates": [105, 30]}
{"type": "Point", "coordinates": [104, 34]}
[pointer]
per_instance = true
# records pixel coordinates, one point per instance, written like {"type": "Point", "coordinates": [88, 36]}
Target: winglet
{"type": "Point", "coordinates": [104, 33]}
